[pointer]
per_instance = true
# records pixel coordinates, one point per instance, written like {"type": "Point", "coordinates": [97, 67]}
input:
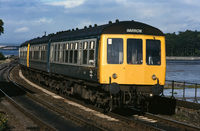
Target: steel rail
{"type": "Point", "coordinates": [41, 125]}
{"type": "Point", "coordinates": [174, 123]}
{"type": "Point", "coordinates": [167, 121]}
{"type": "Point", "coordinates": [138, 124]}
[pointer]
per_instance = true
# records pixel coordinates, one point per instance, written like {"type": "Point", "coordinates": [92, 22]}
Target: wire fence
{"type": "Point", "coordinates": [182, 90]}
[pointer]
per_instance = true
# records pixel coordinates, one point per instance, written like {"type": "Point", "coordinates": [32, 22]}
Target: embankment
{"type": "Point", "coordinates": [182, 58]}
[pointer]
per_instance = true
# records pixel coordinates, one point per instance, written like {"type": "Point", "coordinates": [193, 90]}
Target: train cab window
{"type": "Point", "coordinates": [85, 50]}
{"type": "Point", "coordinates": [71, 53]}
{"type": "Point", "coordinates": [134, 51]}
{"type": "Point", "coordinates": [115, 51]}
{"type": "Point", "coordinates": [75, 52]}
{"type": "Point", "coordinates": [91, 53]}
{"type": "Point", "coordinates": [67, 53]}
{"type": "Point", "coordinates": [153, 52]}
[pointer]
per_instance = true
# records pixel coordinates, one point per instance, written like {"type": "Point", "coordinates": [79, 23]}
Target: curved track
{"type": "Point", "coordinates": [44, 117]}
{"type": "Point", "coordinates": [40, 124]}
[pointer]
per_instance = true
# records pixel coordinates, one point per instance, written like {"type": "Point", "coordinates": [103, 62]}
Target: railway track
{"type": "Point", "coordinates": [166, 122]}
{"type": "Point", "coordinates": [74, 119]}
{"type": "Point", "coordinates": [159, 123]}
{"type": "Point", "coordinates": [40, 124]}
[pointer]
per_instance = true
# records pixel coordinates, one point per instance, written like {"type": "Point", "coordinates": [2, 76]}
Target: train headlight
{"type": "Point", "coordinates": [114, 76]}
{"type": "Point", "coordinates": [154, 77]}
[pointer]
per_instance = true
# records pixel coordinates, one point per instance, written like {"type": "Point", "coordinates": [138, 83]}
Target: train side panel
{"type": "Point", "coordinates": [78, 72]}
{"type": "Point", "coordinates": [76, 59]}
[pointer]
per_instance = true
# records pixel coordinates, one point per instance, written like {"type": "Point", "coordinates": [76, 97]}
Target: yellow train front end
{"type": "Point", "coordinates": [133, 62]}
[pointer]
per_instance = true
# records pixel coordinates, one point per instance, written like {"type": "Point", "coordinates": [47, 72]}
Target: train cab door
{"type": "Point", "coordinates": [134, 60]}
{"type": "Point", "coordinates": [112, 69]}
{"type": "Point", "coordinates": [27, 55]}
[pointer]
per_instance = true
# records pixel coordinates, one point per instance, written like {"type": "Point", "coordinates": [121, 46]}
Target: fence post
{"type": "Point", "coordinates": [162, 95]}
{"type": "Point", "coordinates": [195, 99]}
{"type": "Point", "coordinates": [184, 91]}
{"type": "Point", "coordinates": [173, 90]}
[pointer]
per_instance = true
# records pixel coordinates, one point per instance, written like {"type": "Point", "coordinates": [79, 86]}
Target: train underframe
{"type": "Point", "coordinates": [108, 96]}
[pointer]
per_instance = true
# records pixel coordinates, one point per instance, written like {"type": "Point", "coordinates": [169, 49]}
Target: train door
{"type": "Point", "coordinates": [134, 60]}
{"type": "Point", "coordinates": [28, 48]}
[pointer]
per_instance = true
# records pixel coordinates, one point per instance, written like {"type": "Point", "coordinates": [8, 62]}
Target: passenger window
{"type": "Point", "coordinates": [52, 51]}
{"type": "Point", "coordinates": [63, 53]}
{"type": "Point", "coordinates": [46, 52]}
{"type": "Point", "coordinates": [55, 52]}
{"type": "Point", "coordinates": [115, 51]}
{"type": "Point", "coordinates": [91, 53]}
{"type": "Point", "coordinates": [71, 53]}
{"type": "Point", "coordinates": [153, 52]}
{"type": "Point", "coordinates": [67, 53]}
{"type": "Point", "coordinates": [134, 51]}
{"type": "Point", "coordinates": [75, 52]}
{"type": "Point", "coordinates": [36, 53]}
{"type": "Point", "coordinates": [85, 49]}
{"type": "Point", "coordinates": [80, 53]}
{"type": "Point", "coordinates": [43, 53]}
{"type": "Point", "coordinates": [58, 55]}
{"type": "Point", "coordinates": [30, 55]}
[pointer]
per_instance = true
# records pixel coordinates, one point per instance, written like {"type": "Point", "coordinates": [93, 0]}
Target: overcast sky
{"type": "Point", "coordinates": [27, 19]}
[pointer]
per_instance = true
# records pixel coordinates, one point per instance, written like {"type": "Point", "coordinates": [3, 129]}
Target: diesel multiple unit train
{"type": "Point", "coordinates": [112, 65]}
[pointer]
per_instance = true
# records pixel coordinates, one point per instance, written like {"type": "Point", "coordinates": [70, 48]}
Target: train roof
{"type": "Point", "coordinates": [123, 27]}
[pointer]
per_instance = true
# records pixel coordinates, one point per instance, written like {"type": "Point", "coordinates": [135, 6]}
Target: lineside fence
{"type": "Point", "coordinates": [182, 90]}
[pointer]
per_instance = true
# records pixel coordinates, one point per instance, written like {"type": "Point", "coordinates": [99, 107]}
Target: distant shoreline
{"type": "Point", "coordinates": [182, 58]}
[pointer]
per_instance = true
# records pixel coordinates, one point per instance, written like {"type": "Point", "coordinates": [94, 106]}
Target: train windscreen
{"type": "Point", "coordinates": [153, 52]}
{"type": "Point", "coordinates": [134, 51]}
{"type": "Point", "coordinates": [115, 51]}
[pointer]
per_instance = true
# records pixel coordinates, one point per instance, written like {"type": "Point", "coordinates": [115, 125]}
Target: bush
{"type": "Point", "coordinates": [3, 122]}
{"type": "Point", "coordinates": [2, 57]}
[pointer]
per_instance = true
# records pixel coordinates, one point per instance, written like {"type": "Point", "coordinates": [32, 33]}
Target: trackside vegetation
{"type": "Point", "coordinates": [3, 122]}
{"type": "Point", "coordinates": [2, 57]}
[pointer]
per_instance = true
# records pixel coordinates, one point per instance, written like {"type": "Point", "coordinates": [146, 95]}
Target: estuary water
{"type": "Point", "coordinates": [9, 52]}
{"type": "Point", "coordinates": [188, 71]}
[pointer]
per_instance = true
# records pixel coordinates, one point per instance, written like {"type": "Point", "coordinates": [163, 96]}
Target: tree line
{"type": "Point", "coordinates": [1, 27]}
{"type": "Point", "coordinates": [183, 44]}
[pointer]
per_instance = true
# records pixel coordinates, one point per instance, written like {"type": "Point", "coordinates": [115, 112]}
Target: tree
{"type": "Point", "coordinates": [2, 57]}
{"type": "Point", "coordinates": [183, 44]}
{"type": "Point", "coordinates": [1, 26]}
